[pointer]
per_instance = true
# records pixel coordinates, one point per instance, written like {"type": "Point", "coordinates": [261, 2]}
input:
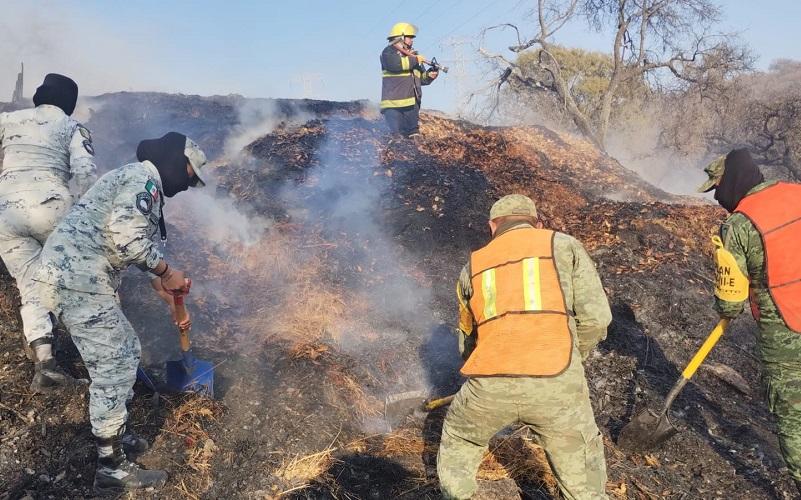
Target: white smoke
{"type": "Point", "coordinates": [639, 150]}
{"type": "Point", "coordinates": [257, 118]}
{"type": "Point", "coordinates": [218, 220]}
{"type": "Point", "coordinates": [49, 38]}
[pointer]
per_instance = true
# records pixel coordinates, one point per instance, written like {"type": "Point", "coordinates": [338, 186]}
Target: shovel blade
{"type": "Point", "coordinates": [646, 431]}
{"type": "Point", "coordinates": [197, 376]}
{"type": "Point", "coordinates": [399, 406]}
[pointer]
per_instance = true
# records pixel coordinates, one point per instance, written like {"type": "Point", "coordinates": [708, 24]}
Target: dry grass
{"type": "Point", "coordinates": [405, 442]}
{"type": "Point", "coordinates": [517, 458]}
{"type": "Point", "coordinates": [283, 280]}
{"type": "Point", "coordinates": [9, 299]}
{"type": "Point", "coordinates": [301, 470]}
{"type": "Point", "coordinates": [189, 420]}
{"type": "Point", "coordinates": [362, 404]}
{"type": "Point", "coordinates": [511, 457]}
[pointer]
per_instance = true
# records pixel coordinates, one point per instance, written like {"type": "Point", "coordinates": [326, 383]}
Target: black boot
{"type": "Point", "coordinates": [48, 377]}
{"type": "Point", "coordinates": [115, 474]}
{"type": "Point", "coordinates": [133, 443]}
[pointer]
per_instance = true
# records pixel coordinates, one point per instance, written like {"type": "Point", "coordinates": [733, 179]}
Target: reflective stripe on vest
{"type": "Point", "coordinates": [401, 89]}
{"type": "Point", "coordinates": [398, 103]}
{"type": "Point", "coordinates": [776, 214]}
{"type": "Point", "coordinates": [519, 308]}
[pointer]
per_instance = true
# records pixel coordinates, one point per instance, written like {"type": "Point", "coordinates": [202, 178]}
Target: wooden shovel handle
{"type": "Point", "coordinates": [180, 316]}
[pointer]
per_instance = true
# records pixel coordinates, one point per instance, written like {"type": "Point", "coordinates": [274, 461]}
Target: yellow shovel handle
{"type": "Point", "coordinates": [707, 346]}
{"type": "Point", "coordinates": [438, 403]}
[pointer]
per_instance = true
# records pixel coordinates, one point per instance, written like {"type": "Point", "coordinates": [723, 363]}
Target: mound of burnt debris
{"type": "Point", "coordinates": [324, 257]}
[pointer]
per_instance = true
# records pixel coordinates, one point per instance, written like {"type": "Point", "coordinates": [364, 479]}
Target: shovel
{"type": "Point", "coordinates": [189, 374]}
{"type": "Point", "coordinates": [398, 406]}
{"type": "Point", "coordinates": [649, 429]}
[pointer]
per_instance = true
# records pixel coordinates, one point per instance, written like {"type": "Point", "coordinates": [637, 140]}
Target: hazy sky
{"type": "Point", "coordinates": [303, 48]}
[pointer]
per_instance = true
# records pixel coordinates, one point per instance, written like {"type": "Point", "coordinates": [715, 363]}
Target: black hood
{"type": "Point", "coordinates": [167, 154]}
{"type": "Point", "coordinates": [740, 175]}
{"type": "Point", "coordinates": [57, 90]}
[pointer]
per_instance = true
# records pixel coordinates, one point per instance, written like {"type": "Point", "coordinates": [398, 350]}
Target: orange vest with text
{"type": "Point", "coordinates": [776, 213]}
{"type": "Point", "coordinates": [519, 308]}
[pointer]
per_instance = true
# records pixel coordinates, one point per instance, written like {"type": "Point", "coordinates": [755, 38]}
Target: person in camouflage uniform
{"type": "Point", "coordinates": [43, 150]}
{"type": "Point", "coordinates": [113, 226]}
{"type": "Point", "coordinates": [556, 408]}
{"type": "Point", "coordinates": [734, 177]}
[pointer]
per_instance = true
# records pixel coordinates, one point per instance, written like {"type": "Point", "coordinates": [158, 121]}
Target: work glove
{"type": "Point", "coordinates": [420, 58]}
{"type": "Point", "coordinates": [433, 74]}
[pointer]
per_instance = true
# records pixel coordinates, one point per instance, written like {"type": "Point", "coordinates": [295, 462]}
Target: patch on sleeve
{"type": "Point", "coordinates": [151, 188]}
{"type": "Point", "coordinates": [87, 145]}
{"type": "Point", "coordinates": [85, 133]}
{"type": "Point", "coordinates": [144, 202]}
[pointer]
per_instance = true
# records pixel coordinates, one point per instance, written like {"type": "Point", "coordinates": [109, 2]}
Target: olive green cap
{"type": "Point", "coordinates": [715, 172]}
{"type": "Point", "coordinates": [513, 204]}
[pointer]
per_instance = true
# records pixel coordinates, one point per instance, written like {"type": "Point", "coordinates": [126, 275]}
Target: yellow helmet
{"type": "Point", "coordinates": [402, 29]}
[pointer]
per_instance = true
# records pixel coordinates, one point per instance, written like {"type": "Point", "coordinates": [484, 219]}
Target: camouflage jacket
{"type": "Point", "coordinates": [741, 238]}
{"type": "Point", "coordinates": [586, 301]}
{"type": "Point", "coordinates": [114, 225]}
{"type": "Point", "coordinates": [43, 147]}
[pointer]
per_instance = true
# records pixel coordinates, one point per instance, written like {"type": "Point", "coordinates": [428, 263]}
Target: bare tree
{"type": "Point", "coordinates": [666, 43]}
{"type": "Point", "coordinates": [771, 118]}
{"type": "Point", "coordinates": [758, 110]}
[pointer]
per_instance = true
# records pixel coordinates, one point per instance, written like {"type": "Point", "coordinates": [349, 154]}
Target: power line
{"type": "Point", "coordinates": [481, 11]}
{"type": "Point", "coordinates": [425, 11]}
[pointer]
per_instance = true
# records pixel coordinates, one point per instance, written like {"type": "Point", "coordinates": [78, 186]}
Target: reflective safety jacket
{"type": "Point", "coordinates": [403, 77]}
{"type": "Point", "coordinates": [519, 307]}
{"type": "Point", "coordinates": [776, 213]}
{"type": "Point", "coordinates": [45, 148]}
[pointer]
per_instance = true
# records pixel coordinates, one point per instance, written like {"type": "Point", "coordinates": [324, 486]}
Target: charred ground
{"type": "Point", "coordinates": [338, 290]}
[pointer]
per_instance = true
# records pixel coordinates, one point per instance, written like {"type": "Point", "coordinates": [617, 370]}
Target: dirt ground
{"type": "Point", "coordinates": [336, 290]}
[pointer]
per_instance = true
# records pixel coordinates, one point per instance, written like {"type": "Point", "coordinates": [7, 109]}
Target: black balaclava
{"type": "Point", "coordinates": [739, 176]}
{"type": "Point", "coordinates": [57, 90]}
{"type": "Point", "coordinates": [167, 154]}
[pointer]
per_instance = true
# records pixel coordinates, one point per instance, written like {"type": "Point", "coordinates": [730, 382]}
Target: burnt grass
{"type": "Point", "coordinates": [277, 404]}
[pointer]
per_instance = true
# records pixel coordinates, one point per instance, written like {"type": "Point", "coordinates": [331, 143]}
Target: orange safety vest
{"type": "Point", "coordinates": [776, 213]}
{"type": "Point", "coordinates": [519, 308]}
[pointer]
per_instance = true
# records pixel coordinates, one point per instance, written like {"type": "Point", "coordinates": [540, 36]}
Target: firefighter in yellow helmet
{"type": "Point", "coordinates": [403, 78]}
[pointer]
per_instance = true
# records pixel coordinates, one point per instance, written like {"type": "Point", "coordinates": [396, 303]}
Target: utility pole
{"type": "Point", "coordinates": [310, 83]}
{"type": "Point", "coordinates": [16, 97]}
{"type": "Point", "coordinates": [459, 73]}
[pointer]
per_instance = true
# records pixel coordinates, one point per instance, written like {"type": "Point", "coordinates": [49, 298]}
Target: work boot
{"type": "Point", "coordinates": [115, 474]}
{"type": "Point", "coordinates": [48, 377]}
{"type": "Point", "coordinates": [133, 443]}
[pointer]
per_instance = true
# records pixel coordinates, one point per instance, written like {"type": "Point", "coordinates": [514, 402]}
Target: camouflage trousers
{"type": "Point", "coordinates": [558, 412]}
{"type": "Point", "coordinates": [783, 387]}
{"type": "Point", "coordinates": [26, 220]}
{"type": "Point", "coordinates": [109, 348]}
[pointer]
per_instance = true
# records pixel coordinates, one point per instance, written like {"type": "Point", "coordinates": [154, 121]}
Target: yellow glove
{"type": "Point", "coordinates": [421, 59]}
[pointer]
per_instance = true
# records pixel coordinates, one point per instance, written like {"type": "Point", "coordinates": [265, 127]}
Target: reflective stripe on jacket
{"type": "Point", "coordinates": [776, 213]}
{"type": "Point", "coordinates": [519, 307]}
{"type": "Point", "coordinates": [402, 78]}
